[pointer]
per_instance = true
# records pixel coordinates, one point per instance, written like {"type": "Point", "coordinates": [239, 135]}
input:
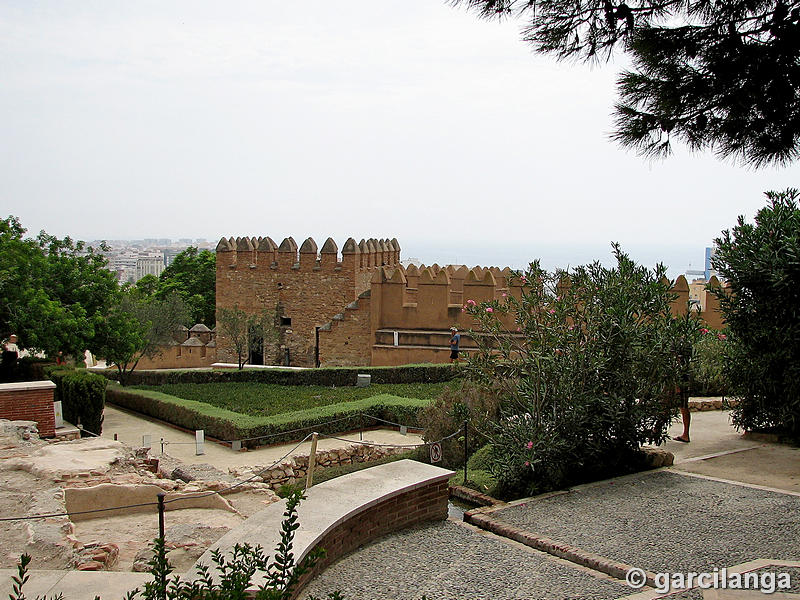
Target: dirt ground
{"type": "Point", "coordinates": [34, 473]}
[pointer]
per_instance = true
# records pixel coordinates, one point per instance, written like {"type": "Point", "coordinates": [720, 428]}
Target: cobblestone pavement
{"type": "Point", "coordinates": [448, 560]}
{"type": "Point", "coordinates": [666, 522]}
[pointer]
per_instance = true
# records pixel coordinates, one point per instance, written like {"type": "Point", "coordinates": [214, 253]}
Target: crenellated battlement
{"type": "Point", "coordinates": [432, 297]}
{"type": "Point", "coordinates": [264, 253]}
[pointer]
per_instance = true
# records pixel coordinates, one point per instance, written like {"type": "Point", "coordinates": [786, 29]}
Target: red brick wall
{"type": "Point", "coordinates": [426, 503]}
{"type": "Point", "coordinates": [29, 402]}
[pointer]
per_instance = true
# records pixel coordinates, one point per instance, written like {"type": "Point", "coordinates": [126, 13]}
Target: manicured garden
{"type": "Point", "coordinates": [262, 400]}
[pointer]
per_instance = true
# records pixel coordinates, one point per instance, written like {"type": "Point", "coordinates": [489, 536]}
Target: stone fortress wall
{"type": "Point", "coordinates": [365, 308]}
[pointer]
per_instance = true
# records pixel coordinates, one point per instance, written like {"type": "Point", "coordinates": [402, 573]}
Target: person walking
{"type": "Point", "coordinates": [455, 339]}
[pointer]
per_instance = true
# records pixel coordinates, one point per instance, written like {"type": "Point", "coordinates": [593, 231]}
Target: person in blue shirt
{"type": "Point", "coordinates": [454, 341]}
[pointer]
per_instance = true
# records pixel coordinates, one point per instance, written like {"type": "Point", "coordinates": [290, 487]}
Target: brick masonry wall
{"type": "Point", "coordinates": [426, 503]}
{"type": "Point", "coordinates": [347, 341]}
{"type": "Point", "coordinates": [309, 289]}
{"type": "Point", "coordinates": [20, 402]}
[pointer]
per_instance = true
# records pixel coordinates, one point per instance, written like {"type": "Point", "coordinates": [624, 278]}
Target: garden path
{"type": "Point", "coordinates": [727, 501]}
{"type": "Point", "coordinates": [130, 427]}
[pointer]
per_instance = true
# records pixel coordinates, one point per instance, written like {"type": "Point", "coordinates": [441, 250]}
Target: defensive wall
{"type": "Point", "coordinates": [367, 309]}
{"type": "Point", "coordinates": [302, 288]}
{"type": "Point", "coordinates": [188, 349]}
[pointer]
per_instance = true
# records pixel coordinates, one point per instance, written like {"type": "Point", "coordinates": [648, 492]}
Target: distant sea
{"type": "Point", "coordinates": [677, 259]}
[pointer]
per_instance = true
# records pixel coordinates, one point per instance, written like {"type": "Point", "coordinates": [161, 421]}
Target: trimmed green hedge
{"type": "Point", "coordinates": [228, 425]}
{"type": "Point", "coordinates": [82, 397]}
{"type": "Point", "coordinates": [338, 376]}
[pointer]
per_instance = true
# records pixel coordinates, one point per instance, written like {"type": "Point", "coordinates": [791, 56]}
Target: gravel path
{"type": "Point", "coordinates": [667, 522]}
{"type": "Point", "coordinates": [446, 560]}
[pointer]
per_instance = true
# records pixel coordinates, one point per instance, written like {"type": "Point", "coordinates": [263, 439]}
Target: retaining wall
{"type": "Point", "coordinates": [29, 401]}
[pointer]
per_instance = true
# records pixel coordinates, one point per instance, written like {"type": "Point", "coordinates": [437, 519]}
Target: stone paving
{"type": "Point", "coordinates": [449, 561]}
{"type": "Point", "coordinates": [660, 521]}
{"type": "Point", "coordinates": [667, 521]}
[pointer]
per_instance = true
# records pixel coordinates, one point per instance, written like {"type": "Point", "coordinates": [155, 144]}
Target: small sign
{"type": "Point", "coordinates": [403, 430]}
{"type": "Point", "coordinates": [436, 452]}
{"type": "Point", "coordinates": [59, 414]}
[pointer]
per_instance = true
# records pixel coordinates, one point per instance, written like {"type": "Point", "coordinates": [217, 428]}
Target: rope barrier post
{"type": "Point", "coordinates": [465, 453]}
{"type": "Point", "coordinates": [312, 460]}
{"type": "Point", "coordinates": [115, 437]}
{"type": "Point", "coordinates": [162, 446]}
{"type": "Point", "coordinates": [361, 429]}
{"type": "Point", "coordinates": [199, 442]}
{"type": "Point", "coordinates": [161, 496]}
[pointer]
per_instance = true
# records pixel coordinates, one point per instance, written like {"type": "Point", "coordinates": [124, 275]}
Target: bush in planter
{"type": "Point", "coordinates": [587, 362]}
{"type": "Point", "coordinates": [82, 397]}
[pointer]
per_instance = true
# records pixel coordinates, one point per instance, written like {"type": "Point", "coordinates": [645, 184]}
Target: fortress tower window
{"type": "Point", "coordinates": [286, 321]}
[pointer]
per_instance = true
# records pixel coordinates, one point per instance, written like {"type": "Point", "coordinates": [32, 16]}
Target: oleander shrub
{"type": "Point", "coordinates": [760, 262]}
{"type": "Point", "coordinates": [82, 397]}
{"type": "Point", "coordinates": [708, 366]}
{"type": "Point", "coordinates": [586, 363]}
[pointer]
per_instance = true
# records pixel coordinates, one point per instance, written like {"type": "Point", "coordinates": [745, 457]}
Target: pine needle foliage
{"type": "Point", "coordinates": [719, 75]}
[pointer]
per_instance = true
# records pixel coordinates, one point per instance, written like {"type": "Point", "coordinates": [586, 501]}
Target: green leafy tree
{"type": "Point", "coordinates": [761, 263]}
{"type": "Point", "coordinates": [246, 332]}
{"type": "Point", "coordinates": [716, 74]}
{"type": "Point", "coordinates": [138, 326]}
{"type": "Point", "coordinates": [53, 292]}
{"type": "Point", "coordinates": [193, 276]}
{"type": "Point", "coordinates": [586, 363]}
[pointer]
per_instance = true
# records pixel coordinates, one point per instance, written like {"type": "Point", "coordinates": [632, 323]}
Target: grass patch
{"type": "Point", "coordinates": [477, 479]}
{"type": "Point", "coordinates": [225, 424]}
{"type": "Point", "coordinates": [266, 400]}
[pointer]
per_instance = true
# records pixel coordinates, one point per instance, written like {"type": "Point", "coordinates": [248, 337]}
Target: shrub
{"type": "Point", "coordinates": [446, 415]}
{"type": "Point", "coordinates": [708, 376]}
{"type": "Point", "coordinates": [338, 376]}
{"type": "Point", "coordinates": [228, 425]}
{"type": "Point", "coordinates": [761, 308]}
{"type": "Point", "coordinates": [585, 362]}
{"type": "Point", "coordinates": [481, 460]}
{"type": "Point", "coordinates": [82, 397]}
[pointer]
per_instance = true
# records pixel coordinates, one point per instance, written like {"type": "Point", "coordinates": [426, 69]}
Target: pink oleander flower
{"type": "Point", "coordinates": [704, 331]}
{"type": "Point", "coordinates": [523, 279]}
{"type": "Point", "coordinates": [504, 294]}
{"type": "Point", "coordinates": [529, 445]}
{"type": "Point", "coordinates": [527, 463]}
{"type": "Point", "coordinates": [463, 309]}
{"type": "Point", "coordinates": [471, 302]}
{"type": "Point", "coordinates": [558, 298]}
{"type": "Point", "coordinates": [519, 328]}
{"type": "Point", "coordinates": [722, 336]}
{"type": "Point", "coordinates": [552, 311]}
{"type": "Point", "coordinates": [489, 309]}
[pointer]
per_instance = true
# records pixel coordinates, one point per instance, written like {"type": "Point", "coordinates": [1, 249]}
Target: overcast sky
{"type": "Point", "coordinates": [408, 119]}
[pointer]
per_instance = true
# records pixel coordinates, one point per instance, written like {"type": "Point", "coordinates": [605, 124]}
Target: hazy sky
{"type": "Point", "coordinates": [408, 119]}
